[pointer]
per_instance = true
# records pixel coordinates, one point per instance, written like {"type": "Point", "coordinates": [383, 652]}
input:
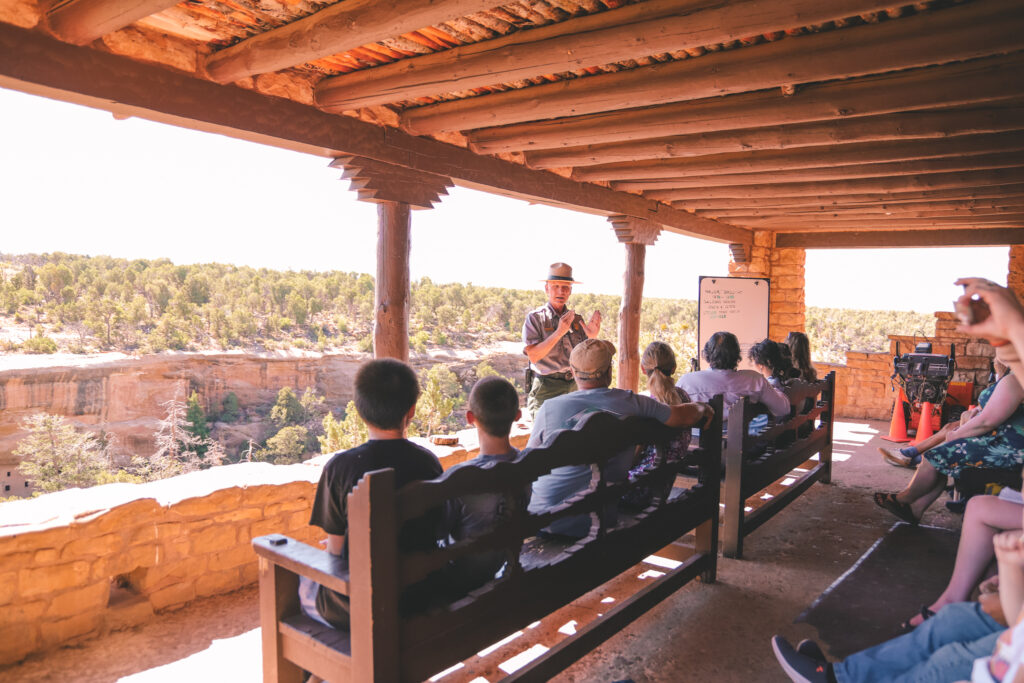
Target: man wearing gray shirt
{"type": "Point", "coordinates": [549, 335]}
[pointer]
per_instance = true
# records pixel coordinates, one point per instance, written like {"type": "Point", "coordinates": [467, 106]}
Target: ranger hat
{"type": "Point", "coordinates": [591, 358]}
{"type": "Point", "coordinates": [560, 272]}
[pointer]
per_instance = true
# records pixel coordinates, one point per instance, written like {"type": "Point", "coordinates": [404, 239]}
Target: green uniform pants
{"type": "Point", "coordinates": [544, 388]}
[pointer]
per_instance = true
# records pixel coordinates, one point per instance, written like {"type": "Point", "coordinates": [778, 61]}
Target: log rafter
{"type": "Point", "coordinates": [630, 32]}
{"type": "Point", "coordinates": [825, 156]}
{"type": "Point", "coordinates": [890, 198]}
{"type": "Point", "coordinates": [902, 126]}
{"type": "Point", "coordinates": [83, 21]}
{"type": "Point", "coordinates": [337, 28]}
{"type": "Point", "coordinates": [951, 34]}
{"type": "Point", "coordinates": [853, 239]}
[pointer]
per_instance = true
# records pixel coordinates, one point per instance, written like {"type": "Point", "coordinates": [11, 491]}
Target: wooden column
{"type": "Point", "coordinates": [636, 234]}
{"type": "Point", "coordinates": [396, 190]}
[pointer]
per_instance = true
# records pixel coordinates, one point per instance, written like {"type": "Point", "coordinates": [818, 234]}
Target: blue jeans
{"type": "Point", "coordinates": [941, 649]}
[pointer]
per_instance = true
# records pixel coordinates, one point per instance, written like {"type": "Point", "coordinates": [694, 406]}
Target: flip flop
{"type": "Point", "coordinates": [925, 613]}
{"type": "Point", "coordinates": [887, 501]}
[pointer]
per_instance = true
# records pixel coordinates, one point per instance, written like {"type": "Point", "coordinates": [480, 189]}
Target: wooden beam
{"type": "Point", "coordinates": [935, 37]}
{"type": "Point", "coordinates": [806, 157]}
{"type": "Point", "coordinates": [899, 168]}
{"type": "Point", "coordinates": [337, 28]}
{"type": "Point", "coordinates": [784, 224]}
{"type": "Point", "coordinates": [83, 21]}
{"type": "Point", "coordinates": [959, 237]}
{"type": "Point", "coordinates": [971, 83]}
{"type": "Point", "coordinates": [924, 210]}
{"type": "Point", "coordinates": [938, 124]}
{"type": "Point", "coordinates": [936, 181]}
{"type": "Point", "coordinates": [980, 193]}
{"type": "Point", "coordinates": [36, 64]}
{"type": "Point", "coordinates": [789, 221]}
{"type": "Point", "coordinates": [630, 32]}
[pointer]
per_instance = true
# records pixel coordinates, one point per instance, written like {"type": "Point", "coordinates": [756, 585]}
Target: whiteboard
{"type": "Point", "coordinates": [732, 304]}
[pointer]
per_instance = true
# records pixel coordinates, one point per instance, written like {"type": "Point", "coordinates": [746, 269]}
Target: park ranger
{"type": "Point", "coordinates": [549, 335]}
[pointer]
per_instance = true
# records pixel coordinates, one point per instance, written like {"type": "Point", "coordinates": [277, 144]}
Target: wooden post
{"type": "Point", "coordinates": [391, 297]}
{"type": "Point", "coordinates": [396, 190]}
{"type": "Point", "coordinates": [636, 234]}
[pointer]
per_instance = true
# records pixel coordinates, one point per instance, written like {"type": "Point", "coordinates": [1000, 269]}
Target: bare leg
{"type": "Point", "coordinates": [935, 439]}
{"type": "Point", "coordinates": [924, 481]}
{"type": "Point", "coordinates": [985, 517]}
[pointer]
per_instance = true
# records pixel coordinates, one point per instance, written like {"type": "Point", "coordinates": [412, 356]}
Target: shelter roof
{"type": "Point", "coordinates": [830, 122]}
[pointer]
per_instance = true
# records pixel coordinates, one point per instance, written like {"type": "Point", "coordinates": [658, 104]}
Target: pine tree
{"type": "Point", "coordinates": [56, 457]}
{"type": "Point", "coordinates": [196, 419]}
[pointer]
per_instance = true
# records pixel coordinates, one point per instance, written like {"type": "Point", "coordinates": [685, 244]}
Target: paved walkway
{"type": "Point", "coordinates": [716, 632]}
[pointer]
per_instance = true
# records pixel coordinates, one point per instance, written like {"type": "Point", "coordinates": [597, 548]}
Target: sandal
{"type": "Point", "coordinates": [925, 615]}
{"type": "Point", "coordinates": [887, 501]}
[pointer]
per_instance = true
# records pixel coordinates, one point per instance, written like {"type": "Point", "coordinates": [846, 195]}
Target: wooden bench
{"type": "Point", "coordinates": [541, 576]}
{"type": "Point", "coordinates": [754, 461]}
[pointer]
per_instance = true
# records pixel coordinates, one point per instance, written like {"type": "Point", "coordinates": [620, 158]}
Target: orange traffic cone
{"type": "Point", "coordinates": [924, 426]}
{"type": "Point", "coordinates": [898, 424]}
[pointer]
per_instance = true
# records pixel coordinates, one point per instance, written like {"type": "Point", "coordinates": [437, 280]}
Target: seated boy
{"type": "Point", "coordinates": [386, 393]}
{"type": "Point", "coordinates": [493, 407]}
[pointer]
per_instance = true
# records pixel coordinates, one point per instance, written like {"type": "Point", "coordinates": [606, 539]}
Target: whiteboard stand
{"type": "Point", "coordinates": [732, 304]}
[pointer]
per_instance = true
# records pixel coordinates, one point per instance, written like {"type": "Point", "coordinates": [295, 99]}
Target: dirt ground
{"type": "Point", "coordinates": [717, 632]}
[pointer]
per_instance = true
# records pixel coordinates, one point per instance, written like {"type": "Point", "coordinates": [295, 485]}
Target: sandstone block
{"type": "Point", "coordinates": [16, 642]}
{"type": "Point", "coordinates": [81, 600]}
{"type": "Point", "coordinates": [55, 633]}
{"type": "Point", "coordinates": [169, 573]}
{"type": "Point", "coordinates": [738, 268]}
{"type": "Point", "coordinates": [146, 533]}
{"type": "Point", "coordinates": [228, 559]}
{"type": "Point", "coordinates": [298, 520]}
{"type": "Point", "coordinates": [240, 515]}
{"type": "Point", "coordinates": [44, 580]}
{"type": "Point", "coordinates": [250, 573]}
{"type": "Point", "coordinates": [213, 539]}
{"type": "Point", "coordinates": [790, 256]}
{"type": "Point", "coordinates": [132, 559]}
{"type": "Point", "coordinates": [174, 596]}
{"type": "Point", "coordinates": [119, 518]}
{"type": "Point", "coordinates": [273, 525]}
{"type": "Point", "coordinates": [169, 530]}
{"type": "Point", "coordinates": [215, 583]}
{"type": "Point", "coordinates": [45, 556]}
{"type": "Point", "coordinates": [22, 613]}
{"type": "Point", "coordinates": [35, 540]}
{"type": "Point", "coordinates": [275, 509]}
{"type": "Point", "coordinates": [91, 547]}
{"type": "Point", "coordinates": [16, 560]}
{"type": "Point", "coordinates": [786, 307]}
{"type": "Point", "coordinates": [176, 548]}
{"type": "Point", "coordinates": [788, 282]}
{"type": "Point", "coordinates": [764, 238]}
{"type": "Point", "coordinates": [780, 269]}
{"type": "Point", "coordinates": [208, 506]}
{"type": "Point", "coordinates": [8, 587]}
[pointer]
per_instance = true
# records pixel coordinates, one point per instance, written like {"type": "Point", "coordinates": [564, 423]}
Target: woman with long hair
{"type": "Point", "coordinates": [800, 349]}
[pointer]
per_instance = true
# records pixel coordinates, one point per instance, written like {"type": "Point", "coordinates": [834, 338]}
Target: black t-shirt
{"type": "Point", "coordinates": [341, 474]}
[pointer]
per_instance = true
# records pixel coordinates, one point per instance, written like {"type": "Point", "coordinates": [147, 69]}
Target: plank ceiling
{"type": "Point", "coordinates": [831, 122]}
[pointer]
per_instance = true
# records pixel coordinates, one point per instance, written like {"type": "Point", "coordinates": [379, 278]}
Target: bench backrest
{"type": "Point", "coordinates": [530, 588]}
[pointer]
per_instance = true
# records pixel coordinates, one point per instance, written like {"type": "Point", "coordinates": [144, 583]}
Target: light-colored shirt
{"type": "Point", "coordinates": [733, 384]}
{"type": "Point", "coordinates": [540, 324]}
{"type": "Point", "coordinates": [565, 412]}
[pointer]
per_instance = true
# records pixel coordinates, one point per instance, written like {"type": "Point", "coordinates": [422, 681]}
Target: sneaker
{"type": "Point", "coordinates": [895, 458]}
{"type": "Point", "coordinates": [809, 648]}
{"type": "Point", "coordinates": [800, 668]}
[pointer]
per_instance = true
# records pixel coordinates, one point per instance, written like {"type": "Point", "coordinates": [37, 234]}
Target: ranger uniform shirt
{"type": "Point", "coordinates": [540, 324]}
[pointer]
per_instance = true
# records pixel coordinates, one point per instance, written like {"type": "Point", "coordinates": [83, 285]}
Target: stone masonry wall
{"type": "Point", "coordinates": [1015, 270]}
{"type": "Point", "coordinates": [79, 563]}
{"type": "Point", "coordinates": [785, 269]}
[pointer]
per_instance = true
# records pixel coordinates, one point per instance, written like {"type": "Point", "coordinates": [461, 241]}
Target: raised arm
{"type": "Point", "coordinates": [774, 400]}
{"type": "Point", "coordinates": [1004, 326]}
{"type": "Point", "coordinates": [592, 328]}
{"type": "Point", "coordinates": [536, 352]}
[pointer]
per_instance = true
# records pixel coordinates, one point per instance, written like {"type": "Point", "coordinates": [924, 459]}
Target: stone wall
{"type": "Point", "coordinates": [79, 563]}
{"type": "Point", "coordinates": [1015, 270]}
{"type": "Point", "coordinates": [785, 269]}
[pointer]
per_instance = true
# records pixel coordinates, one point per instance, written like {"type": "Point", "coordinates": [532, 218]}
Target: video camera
{"type": "Point", "coordinates": [924, 376]}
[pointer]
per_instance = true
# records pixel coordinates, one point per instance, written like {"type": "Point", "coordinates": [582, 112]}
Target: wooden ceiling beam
{"type": "Point", "coordinates": [794, 226]}
{"type": "Point", "coordinates": [972, 83]}
{"type": "Point", "coordinates": [826, 201]}
{"type": "Point", "coordinates": [937, 124]}
{"type": "Point", "coordinates": [966, 208]}
{"type": "Point", "coordinates": [337, 28]}
{"type": "Point", "coordinates": [911, 183]}
{"type": "Point", "coordinates": [889, 239]}
{"type": "Point", "coordinates": [34, 63]}
{"type": "Point", "coordinates": [807, 157]}
{"type": "Point", "coordinates": [629, 32]}
{"type": "Point", "coordinates": [935, 37]}
{"type": "Point", "coordinates": [1011, 160]}
{"type": "Point", "coordinates": [83, 21]}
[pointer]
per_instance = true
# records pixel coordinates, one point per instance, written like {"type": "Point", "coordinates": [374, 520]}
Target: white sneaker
{"type": "Point", "coordinates": [895, 458]}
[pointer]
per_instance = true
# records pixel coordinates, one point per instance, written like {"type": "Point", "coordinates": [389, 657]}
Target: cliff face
{"type": "Point", "coordinates": [123, 397]}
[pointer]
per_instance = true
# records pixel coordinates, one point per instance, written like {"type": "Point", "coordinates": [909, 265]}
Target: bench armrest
{"type": "Point", "coordinates": [305, 560]}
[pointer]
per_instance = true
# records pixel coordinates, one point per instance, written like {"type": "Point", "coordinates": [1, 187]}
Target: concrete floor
{"type": "Point", "coordinates": [717, 632]}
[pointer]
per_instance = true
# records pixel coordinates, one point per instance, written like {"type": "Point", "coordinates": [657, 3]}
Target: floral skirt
{"type": "Point", "coordinates": [1002, 448]}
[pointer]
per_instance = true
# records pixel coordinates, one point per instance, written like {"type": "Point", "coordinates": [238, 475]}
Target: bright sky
{"type": "Point", "coordinates": [76, 180]}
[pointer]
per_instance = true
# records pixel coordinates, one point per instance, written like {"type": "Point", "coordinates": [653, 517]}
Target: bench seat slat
{"type": "Point", "coordinates": [305, 560]}
{"type": "Point", "coordinates": [317, 648]}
